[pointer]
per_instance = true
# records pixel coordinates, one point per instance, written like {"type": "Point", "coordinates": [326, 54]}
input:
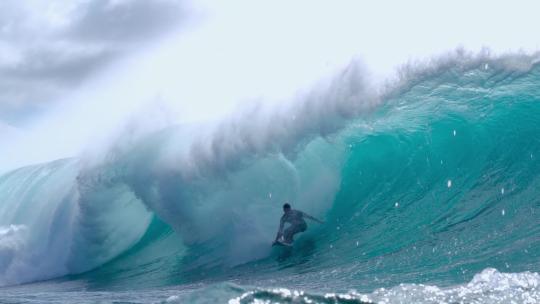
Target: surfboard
{"type": "Point", "coordinates": [281, 243]}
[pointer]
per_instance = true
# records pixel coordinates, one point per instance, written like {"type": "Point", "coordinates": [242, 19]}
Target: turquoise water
{"type": "Point", "coordinates": [429, 191]}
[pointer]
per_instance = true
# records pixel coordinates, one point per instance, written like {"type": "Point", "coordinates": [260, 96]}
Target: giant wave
{"type": "Point", "coordinates": [431, 178]}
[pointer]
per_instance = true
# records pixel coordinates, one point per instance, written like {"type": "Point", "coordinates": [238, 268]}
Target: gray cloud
{"type": "Point", "coordinates": [28, 88]}
{"type": "Point", "coordinates": [56, 66]}
{"type": "Point", "coordinates": [48, 50]}
{"type": "Point", "coordinates": [134, 20]}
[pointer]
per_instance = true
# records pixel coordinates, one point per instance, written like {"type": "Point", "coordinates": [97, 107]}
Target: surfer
{"type": "Point", "coordinates": [298, 224]}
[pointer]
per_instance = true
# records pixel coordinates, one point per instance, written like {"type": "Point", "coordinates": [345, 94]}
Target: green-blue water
{"type": "Point", "coordinates": [430, 194]}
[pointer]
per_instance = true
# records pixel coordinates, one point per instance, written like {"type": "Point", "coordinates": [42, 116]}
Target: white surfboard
{"type": "Point", "coordinates": [282, 243]}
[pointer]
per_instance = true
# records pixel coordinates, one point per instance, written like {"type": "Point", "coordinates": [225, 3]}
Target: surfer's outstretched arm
{"type": "Point", "coordinates": [313, 218]}
{"type": "Point", "coordinates": [280, 231]}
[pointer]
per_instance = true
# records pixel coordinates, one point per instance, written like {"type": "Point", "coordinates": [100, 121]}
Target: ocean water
{"type": "Point", "coordinates": [429, 186]}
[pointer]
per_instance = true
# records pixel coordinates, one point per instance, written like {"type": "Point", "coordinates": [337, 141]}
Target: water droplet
{"type": "Point", "coordinates": [454, 132]}
{"type": "Point", "coordinates": [396, 204]}
{"type": "Point", "coordinates": [502, 190]}
{"type": "Point", "coordinates": [503, 212]}
{"type": "Point", "coordinates": [486, 66]}
{"type": "Point", "coordinates": [331, 246]}
{"type": "Point", "coordinates": [338, 227]}
{"type": "Point", "coordinates": [449, 183]}
{"type": "Point", "coordinates": [441, 162]}
{"type": "Point", "coordinates": [357, 243]}
{"type": "Point", "coordinates": [270, 195]}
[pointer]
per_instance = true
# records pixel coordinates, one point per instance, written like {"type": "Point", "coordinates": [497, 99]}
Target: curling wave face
{"type": "Point", "coordinates": [430, 181]}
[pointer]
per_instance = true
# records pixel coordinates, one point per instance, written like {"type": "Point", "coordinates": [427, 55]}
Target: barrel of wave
{"type": "Point", "coordinates": [52, 226]}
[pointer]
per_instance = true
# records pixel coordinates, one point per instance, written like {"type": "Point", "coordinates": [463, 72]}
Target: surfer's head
{"type": "Point", "coordinates": [286, 207]}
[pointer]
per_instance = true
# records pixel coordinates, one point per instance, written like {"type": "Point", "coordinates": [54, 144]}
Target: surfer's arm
{"type": "Point", "coordinates": [280, 231]}
{"type": "Point", "coordinates": [312, 218]}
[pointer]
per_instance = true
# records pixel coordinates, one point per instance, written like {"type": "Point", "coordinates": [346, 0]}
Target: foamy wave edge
{"type": "Point", "coordinates": [488, 286]}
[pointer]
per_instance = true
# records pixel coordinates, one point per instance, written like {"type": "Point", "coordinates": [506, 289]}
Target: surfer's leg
{"type": "Point", "coordinates": [289, 233]}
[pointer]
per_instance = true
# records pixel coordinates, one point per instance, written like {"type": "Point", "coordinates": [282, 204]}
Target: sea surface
{"type": "Point", "coordinates": [429, 186]}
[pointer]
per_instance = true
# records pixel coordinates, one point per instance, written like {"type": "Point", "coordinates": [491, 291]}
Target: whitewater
{"type": "Point", "coordinates": [428, 183]}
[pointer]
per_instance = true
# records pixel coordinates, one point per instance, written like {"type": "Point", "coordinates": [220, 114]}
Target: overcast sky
{"type": "Point", "coordinates": [70, 69]}
{"type": "Point", "coordinates": [48, 48]}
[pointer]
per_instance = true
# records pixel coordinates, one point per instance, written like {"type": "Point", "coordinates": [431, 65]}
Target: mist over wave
{"type": "Point", "coordinates": [431, 177]}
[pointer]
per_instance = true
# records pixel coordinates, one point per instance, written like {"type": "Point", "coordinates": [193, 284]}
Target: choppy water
{"type": "Point", "coordinates": [430, 192]}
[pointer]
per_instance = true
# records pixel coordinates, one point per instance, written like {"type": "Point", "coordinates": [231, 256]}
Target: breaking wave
{"type": "Point", "coordinates": [433, 178]}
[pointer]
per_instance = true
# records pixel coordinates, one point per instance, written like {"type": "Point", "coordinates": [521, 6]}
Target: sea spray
{"type": "Point", "coordinates": [411, 176]}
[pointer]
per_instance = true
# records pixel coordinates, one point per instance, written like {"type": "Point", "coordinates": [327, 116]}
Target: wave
{"type": "Point", "coordinates": [486, 287]}
{"type": "Point", "coordinates": [432, 177]}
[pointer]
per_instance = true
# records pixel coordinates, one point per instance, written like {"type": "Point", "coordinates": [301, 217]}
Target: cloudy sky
{"type": "Point", "coordinates": [71, 67]}
{"type": "Point", "coordinates": [48, 48]}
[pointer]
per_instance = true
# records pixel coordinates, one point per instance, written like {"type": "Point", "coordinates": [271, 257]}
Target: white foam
{"type": "Point", "coordinates": [12, 245]}
{"type": "Point", "coordinates": [488, 286]}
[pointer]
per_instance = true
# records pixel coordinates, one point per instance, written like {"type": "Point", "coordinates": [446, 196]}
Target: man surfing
{"type": "Point", "coordinates": [297, 224]}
